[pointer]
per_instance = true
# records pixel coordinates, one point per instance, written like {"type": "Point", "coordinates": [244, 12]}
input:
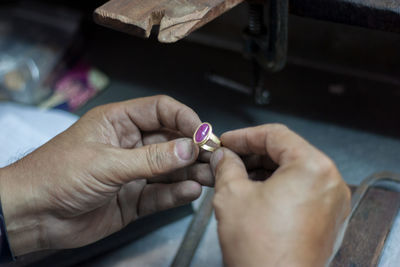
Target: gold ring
{"type": "Point", "coordinates": [203, 135]}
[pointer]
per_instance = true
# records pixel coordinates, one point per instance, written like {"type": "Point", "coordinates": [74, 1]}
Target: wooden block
{"type": "Point", "coordinates": [177, 18]}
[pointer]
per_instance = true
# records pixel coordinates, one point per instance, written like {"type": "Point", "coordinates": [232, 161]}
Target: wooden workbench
{"type": "Point", "coordinates": [177, 18]}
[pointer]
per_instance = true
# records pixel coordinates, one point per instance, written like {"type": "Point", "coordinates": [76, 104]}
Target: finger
{"type": "Point", "coordinates": [228, 168]}
{"type": "Point", "coordinates": [157, 197]}
{"type": "Point", "coordinates": [160, 136]}
{"type": "Point", "coordinates": [156, 112]}
{"type": "Point", "coordinates": [151, 160]}
{"type": "Point", "coordinates": [202, 174]}
{"type": "Point", "coordinates": [275, 140]}
{"type": "Point", "coordinates": [256, 161]}
{"type": "Point", "coordinates": [127, 196]}
{"type": "Point", "coordinates": [165, 135]}
{"type": "Point", "coordinates": [204, 156]}
{"type": "Point", "coordinates": [199, 172]}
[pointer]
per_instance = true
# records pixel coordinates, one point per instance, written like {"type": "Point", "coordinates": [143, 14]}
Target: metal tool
{"type": "Point", "coordinates": [367, 184]}
{"type": "Point", "coordinates": [265, 45]}
{"type": "Point", "coordinates": [195, 232]}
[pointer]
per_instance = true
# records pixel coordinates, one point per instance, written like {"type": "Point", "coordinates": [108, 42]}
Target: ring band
{"type": "Point", "coordinates": [203, 135]}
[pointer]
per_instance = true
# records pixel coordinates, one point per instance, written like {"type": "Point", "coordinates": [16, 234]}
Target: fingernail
{"type": "Point", "coordinates": [216, 158]}
{"type": "Point", "coordinates": [184, 148]}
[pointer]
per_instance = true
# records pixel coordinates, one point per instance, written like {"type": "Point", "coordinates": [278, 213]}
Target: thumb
{"type": "Point", "coordinates": [227, 167]}
{"type": "Point", "coordinates": [156, 159]}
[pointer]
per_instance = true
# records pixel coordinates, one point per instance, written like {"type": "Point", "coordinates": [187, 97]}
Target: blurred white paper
{"type": "Point", "coordinates": [23, 129]}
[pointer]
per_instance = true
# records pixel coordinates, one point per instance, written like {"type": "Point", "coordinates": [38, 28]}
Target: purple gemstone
{"type": "Point", "coordinates": [202, 132]}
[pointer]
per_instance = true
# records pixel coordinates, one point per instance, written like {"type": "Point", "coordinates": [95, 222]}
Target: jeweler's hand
{"type": "Point", "coordinates": [294, 217]}
{"type": "Point", "coordinates": [117, 163]}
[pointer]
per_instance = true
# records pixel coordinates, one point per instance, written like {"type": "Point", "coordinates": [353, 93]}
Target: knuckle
{"type": "Point", "coordinates": [277, 127]}
{"type": "Point", "coordinates": [272, 129]}
{"type": "Point", "coordinates": [230, 194]}
{"type": "Point", "coordinates": [232, 188]}
{"type": "Point", "coordinates": [219, 205]}
{"type": "Point", "coordinates": [296, 153]}
{"type": "Point", "coordinates": [324, 175]}
{"type": "Point", "coordinates": [154, 160]}
{"type": "Point", "coordinates": [326, 166]}
{"type": "Point", "coordinates": [221, 196]}
{"type": "Point", "coordinates": [321, 166]}
{"type": "Point", "coordinates": [165, 98]}
{"type": "Point", "coordinates": [217, 201]}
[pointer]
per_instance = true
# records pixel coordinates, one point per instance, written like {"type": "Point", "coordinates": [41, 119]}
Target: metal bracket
{"type": "Point", "coordinates": [266, 46]}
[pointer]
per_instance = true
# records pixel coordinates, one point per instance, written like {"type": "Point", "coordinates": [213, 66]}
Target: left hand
{"type": "Point", "coordinates": [117, 163]}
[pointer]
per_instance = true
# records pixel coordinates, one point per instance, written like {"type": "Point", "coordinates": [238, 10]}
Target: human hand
{"type": "Point", "coordinates": [292, 218]}
{"type": "Point", "coordinates": [117, 163]}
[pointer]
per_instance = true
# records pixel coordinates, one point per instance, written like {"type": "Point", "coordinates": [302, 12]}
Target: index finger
{"type": "Point", "coordinates": [157, 112]}
{"type": "Point", "coordinates": [275, 140]}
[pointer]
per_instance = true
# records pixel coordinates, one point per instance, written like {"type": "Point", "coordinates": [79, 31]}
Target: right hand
{"type": "Point", "coordinates": [294, 217]}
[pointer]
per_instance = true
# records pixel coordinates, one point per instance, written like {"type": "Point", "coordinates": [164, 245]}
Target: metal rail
{"type": "Point", "coordinates": [373, 14]}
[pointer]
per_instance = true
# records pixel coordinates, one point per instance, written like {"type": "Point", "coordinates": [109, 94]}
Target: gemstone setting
{"type": "Point", "coordinates": [202, 133]}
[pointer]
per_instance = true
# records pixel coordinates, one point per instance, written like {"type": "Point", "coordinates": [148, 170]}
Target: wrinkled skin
{"type": "Point", "coordinates": [278, 200]}
{"type": "Point", "coordinates": [117, 163]}
{"type": "Point", "coordinates": [292, 214]}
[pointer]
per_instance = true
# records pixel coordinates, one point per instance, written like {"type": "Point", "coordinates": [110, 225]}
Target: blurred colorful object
{"type": "Point", "coordinates": [76, 87]}
{"type": "Point", "coordinates": [33, 42]}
